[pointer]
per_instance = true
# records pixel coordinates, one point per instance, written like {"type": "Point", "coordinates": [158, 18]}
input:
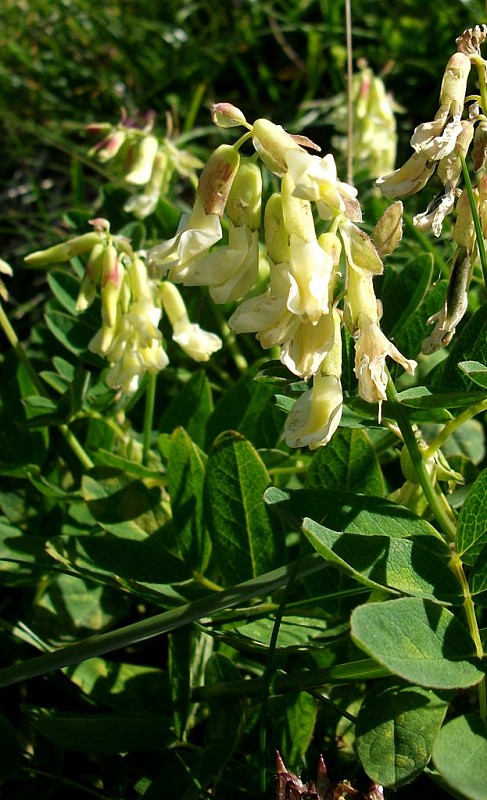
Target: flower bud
{"type": "Point", "coordinates": [276, 235]}
{"type": "Point", "coordinates": [111, 284]}
{"type": "Point", "coordinates": [271, 143]}
{"type": "Point", "coordinates": [145, 153]}
{"type": "Point", "coordinates": [109, 147]}
{"type": "Point", "coordinates": [63, 252]}
{"type": "Point", "coordinates": [454, 84]}
{"type": "Point", "coordinates": [216, 179]}
{"type": "Point", "coordinates": [227, 116]}
{"type": "Point", "coordinates": [245, 197]}
{"type": "Point", "coordinates": [388, 230]}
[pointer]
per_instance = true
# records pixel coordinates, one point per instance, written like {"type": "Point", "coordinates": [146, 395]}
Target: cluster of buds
{"type": "Point", "coordinates": [297, 310]}
{"type": "Point", "coordinates": [374, 139]}
{"type": "Point", "coordinates": [145, 162]}
{"type": "Point", "coordinates": [291, 787]}
{"type": "Point", "coordinates": [439, 148]}
{"type": "Point", "coordinates": [132, 304]}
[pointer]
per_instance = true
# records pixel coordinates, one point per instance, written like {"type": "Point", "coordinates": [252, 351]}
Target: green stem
{"type": "Point", "coordinates": [475, 217]}
{"type": "Point", "coordinates": [416, 456]}
{"type": "Point", "coordinates": [480, 64]}
{"type": "Point", "coordinates": [23, 358]}
{"type": "Point", "coordinates": [270, 667]}
{"type": "Point", "coordinates": [452, 425]}
{"type": "Point", "coordinates": [150, 397]}
{"type": "Point", "coordinates": [469, 608]}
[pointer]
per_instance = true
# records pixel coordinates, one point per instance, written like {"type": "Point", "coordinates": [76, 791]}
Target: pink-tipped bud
{"type": "Point", "coordinates": [227, 116]}
{"type": "Point", "coordinates": [216, 179]}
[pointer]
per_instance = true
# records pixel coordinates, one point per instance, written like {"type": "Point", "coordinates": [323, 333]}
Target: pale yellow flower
{"type": "Point", "coordinates": [316, 179]}
{"type": "Point", "coordinates": [316, 415]}
{"type": "Point", "coordinates": [196, 233]}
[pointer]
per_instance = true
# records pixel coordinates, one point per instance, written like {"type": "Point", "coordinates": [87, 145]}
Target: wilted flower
{"type": "Point", "coordinates": [437, 139]}
{"type": "Point", "coordinates": [408, 179]}
{"type": "Point", "coordinates": [371, 349]}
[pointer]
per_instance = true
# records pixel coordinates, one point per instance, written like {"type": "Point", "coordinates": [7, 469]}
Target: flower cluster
{"type": "Point", "coordinates": [132, 304]}
{"type": "Point", "coordinates": [145, 163]}
{"type": "Point", "coordinates": [374, 123]}
{"type": "Point", "coordinates": [439, 147]}
{"type": "Point", "coordinates": [297, 309]}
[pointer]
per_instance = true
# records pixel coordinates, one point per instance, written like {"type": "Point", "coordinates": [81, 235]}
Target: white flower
{"type": "Point", "coordinates": [196, 342]}
{"type": "Point", "coordinates": [231, 271]}
{"type": "Point", "coordinates": [267, 315]}
{"type": "Point", "coordinates": [316, 179]}
{"type": "Point", "coordinates": [196, 233]}
{"type": "Point", "coordinates": [310, 272]}
{"type": "Point", "coordinates": [316, 415]}
{"type": "Point", "coordinates": [435, 140]}
{"type": "Point", "coordinates": [303, 353]}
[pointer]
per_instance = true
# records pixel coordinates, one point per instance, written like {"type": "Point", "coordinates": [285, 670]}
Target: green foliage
{"type": "Point", "coordinates": [183, 594]}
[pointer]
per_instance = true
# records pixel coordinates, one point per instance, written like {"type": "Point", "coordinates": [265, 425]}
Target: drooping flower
{"type": "Point", "coordinates": [316, 415]}
{"type": "Point", "coordinates": [371, 349]}
{"type": "Point", "coordinates": [408, 179]}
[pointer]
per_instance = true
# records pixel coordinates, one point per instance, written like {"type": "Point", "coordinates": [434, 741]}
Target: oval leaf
{"type": "Point", "coordinates": [460, 756]}
{"type": "Point", "coordinates": [418, 640]}
{"type": "Point", "coordinates": [396, 727]}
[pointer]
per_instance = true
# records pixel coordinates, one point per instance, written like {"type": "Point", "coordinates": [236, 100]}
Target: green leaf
{"type": "Point", "coordinates": [471, 345]}
{"type": "Point", "coordinates": [345, 511]}
{"type": "Point", "coordinates": [396, 728]}
{"type": "Point", "coordinates": [460, 756]}
{"type": "Point", "coordinates": [294, 633]}
{"type": "Point", "coordinates": [74, 333]}
{"type": "Point", "coordinates": [416, 329]}
{"type": "Point", "coordinates": [347, 462]}
{"type": "Point", "coordinates": [245, 544]}
{"type": "Point", "coordinates": [223, 729]}
{"type": "Point", "coordinates": [10, 751]}
{"type": "Point", "coordinates": [477, 578]}
{"type": "Point", "coordinates": [423, 397]}
{"type": "Point", "coordinates": [146, 561]}
{"type": "Point", "coordinates": [106, 733]}
{"type": "Point", "coordinates": [293, 721]}
{"type": "Point", "coordinates": [189, 650]}
{"type": "Point", "coordinates": [418, 640]}
{"type": "Point", "coordinates": [475, 371]}
{"type": "Point", "coordinates": [472, 522]}
{"type": "Point", "coordinates": [19, 445]}
{"type": "Point", "coordinates": [248, 408]}
{"type": "Point", "coordinates": [404, 293]}
{"type": "Point", "coordinates": [65, 287]}
{"type": "Point", "coordinates": [190, 409]}
{"type": "Point", "coordinates": [117, 500]}
{"type": "Point", "coordinates": [122, 687]}
{"type": "Point", "coordinates": [186, 477]}
{"type": "Point", "coordinates": [405, 565]}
